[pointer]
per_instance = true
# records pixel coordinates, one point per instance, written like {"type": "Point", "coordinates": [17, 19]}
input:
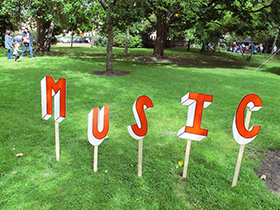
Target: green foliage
{"type": "Point", "coordinates": [3, 52]}
{"type": "Point", "coordinates": [5, 23]}
{"type": "Point", "coordinates": [77, 16]}
{"type": "Point", "coordinates": [209, 19]}
{"type": "Point", "coordinates": [134, 41]}
{"type": "Point", "coordinates": [208, 32]}
{"type": "Point", "coordinates": [41, 14]}
{"type": "Point", "coordinates": [252, 19]}
{"type": "Point", "coordinates": [100, 42]}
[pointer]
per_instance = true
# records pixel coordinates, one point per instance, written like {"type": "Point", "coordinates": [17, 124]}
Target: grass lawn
{"type": "Point", "coordinates": [37, 181]}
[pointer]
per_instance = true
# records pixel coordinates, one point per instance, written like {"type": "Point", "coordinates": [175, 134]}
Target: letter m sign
{"type": "Point", "coordinates": [49, 89]}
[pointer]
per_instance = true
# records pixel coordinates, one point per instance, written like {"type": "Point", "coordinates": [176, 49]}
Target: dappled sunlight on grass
{"type": "Point", "coordinates": [41, 182]}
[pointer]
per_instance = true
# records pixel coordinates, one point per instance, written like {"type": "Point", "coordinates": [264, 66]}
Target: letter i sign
{"type": "Point", "coordinates": [193, 130]}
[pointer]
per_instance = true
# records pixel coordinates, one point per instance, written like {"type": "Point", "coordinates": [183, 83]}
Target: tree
{"type": "Point", "coordinates": [247, 19]}
{"type": "Point", "coordinates": [274, 19]}
{"type": "Point", "coordinates": [180, 14]}
{"type": "Point", "coordinates": [165, 13]}
{"type": "Point", "coordinates": [107, 6]}
{"type": "Point", "coordinates": [129, 12]}
{"type": "Point", "coordinates": [185, 14]}
{"type": "Point", "coordinates": [77, 17]}
{"type": "Point", "coordinates": [44, 15]}
{"type": "Point", "coordinates": [8, 18]}
{"type": "Point", "coordinates": [5, 23]}
{"type": "Point", "coordinates": [117, 11]}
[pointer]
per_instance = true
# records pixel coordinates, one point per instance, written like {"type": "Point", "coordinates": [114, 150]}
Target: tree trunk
{"type": "Point", "coordinates": [275, 40]}
{"type": "Point", "coordinates": [40, 46]}
{"type": "Point", "coordinates": [162, 28]}
{"type": "Point", "coordinates": [127, 40]}
{"type": "Point", "coordinates": [252, 51]}
{"type": "Point", "coordinates": [242, 52]}
{"type": "Point", "coordinates": [49, 36]}
{"type": "Point", "coordinates": [189, 44]}
{"type": "Point", "coordinates": [172, 42]}
{"type": "Point", "coordinates": [109, 58]}
{"type": "Point", "coordinates": [50, 32]}
{"type": "Point", "coordinates": [92, 34]}
{"type": "Point", "coordinates": [72, 36]}
{"type": "Point", "coordinates": [202, 47]}
{"type": "Point", "coordinates": [266, 45]}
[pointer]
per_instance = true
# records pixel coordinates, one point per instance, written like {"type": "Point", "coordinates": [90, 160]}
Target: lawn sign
{"type": "Point", "coordinates": [138, 131]}
{"type": "Point", "coordinates": [241, 132]}
{"type": "Point", "coordinates": [193, 130]}
{"type": "Point", "coordinates": [98, 128]}
{"type": "Point", "coordinates": [57, 90]}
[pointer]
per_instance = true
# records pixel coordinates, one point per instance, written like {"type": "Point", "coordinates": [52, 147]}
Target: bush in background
{"type": "Point", "coordinates": [134, 41]}
{"type": "Point", "coordinates": [100, 42]}
{"type": "Point", "coordinates": [5, 23]}
{"type": "Point", "coordinates": [3, 52]}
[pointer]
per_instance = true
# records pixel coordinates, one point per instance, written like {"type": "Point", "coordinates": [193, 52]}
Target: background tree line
{"type": "Point", "coordinates": [134, 20]}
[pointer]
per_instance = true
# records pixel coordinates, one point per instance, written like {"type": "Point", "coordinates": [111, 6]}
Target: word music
{"type": "Point", "coordinates": [98, 119]}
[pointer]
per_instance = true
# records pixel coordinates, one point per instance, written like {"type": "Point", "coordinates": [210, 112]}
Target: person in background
{"type": "Point", "coordinates": [246, 48]}
{"type": "Point", "coordinates": [261, 49]}
{"type": "Point", "coordinates": [9, 44]}
{"type": "Point", "coordinates": [225, 46]}
{"type": "Point", "coordinates": [243, 47]}
{"type": "Point", "coordinates": [274, 51]}
{"type": "Point", "coordinates": [209, 46]}
{"type": "Point", "coordinates": [234, 47]}
{"type": "Point", "coordinates": [16, 51]}
{"type": "Point", "coordinates": [254, 48]}
{"type": "Point", "coordinates": [27, 41]}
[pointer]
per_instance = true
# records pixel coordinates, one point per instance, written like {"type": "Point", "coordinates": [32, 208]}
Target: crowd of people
{"type": "Point", "coordinates": [245, 48]}
{"type": "Point", "coordinates": [13, 47]}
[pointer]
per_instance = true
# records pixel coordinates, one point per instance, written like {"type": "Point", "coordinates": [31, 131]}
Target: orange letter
{"type": "Point", "coordinates": [139, 130]}
{"type": "Point", "coordinates": [49, 89]}
{"type": "Point", "coordinates": [196, 103]}
{"type": "Point", "coordinates": [240, 133]}
{"type": "Point", "coordinates": [98, 125]}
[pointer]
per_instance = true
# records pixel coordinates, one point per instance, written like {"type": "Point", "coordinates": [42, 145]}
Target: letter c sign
{"type": "Point", "coordinates": [240, 132]}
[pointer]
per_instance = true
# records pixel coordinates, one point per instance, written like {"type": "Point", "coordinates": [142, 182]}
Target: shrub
{"type": "Point", "coordinates": [134, 41]}
{"type": "Point", "coordinates": [100, 42]}
{"type": "Point", "coordinates": [3, 52]}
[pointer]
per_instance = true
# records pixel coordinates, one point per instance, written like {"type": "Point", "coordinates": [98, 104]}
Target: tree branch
{"type": "Point", "coordinates": [153, 24]}
{"type": "Point", "coordinates": [262, 8]}
{"type": "Point", "coordinates": [104, 4]}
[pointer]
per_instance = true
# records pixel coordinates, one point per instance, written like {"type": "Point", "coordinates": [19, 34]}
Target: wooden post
{"type": "Point", "coordinates": [187, 158]}
{"type": "Point", "coordinates": [56, 125]}
{"type": "Point", "coordinates": [140, 157]}
{"type": "Point", "coordinates": [95, 158]}
{"type": "Point", "coordinates": [241, 150]}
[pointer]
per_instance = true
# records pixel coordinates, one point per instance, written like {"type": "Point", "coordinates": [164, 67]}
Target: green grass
{"type": "Point", "coordinates": [43, 183]}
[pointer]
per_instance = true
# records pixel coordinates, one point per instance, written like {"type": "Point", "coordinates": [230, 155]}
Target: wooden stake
{"type": "Point", "coordinates": [188, 149]}
{"type": "Point", "coordinates": [56, 125]}
{"type": "Point", "coordinates": [241, 150]}
{"type": "Point", "coordinates": [95, 158]}
{"type": "Point", "coordinates": [140, 157]}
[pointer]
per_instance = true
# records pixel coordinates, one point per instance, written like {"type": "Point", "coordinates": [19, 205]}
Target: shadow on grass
{"type": "Point", "coordinates": [174, 56]}
{"type": "Point", "coordinates": [273, 70]}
